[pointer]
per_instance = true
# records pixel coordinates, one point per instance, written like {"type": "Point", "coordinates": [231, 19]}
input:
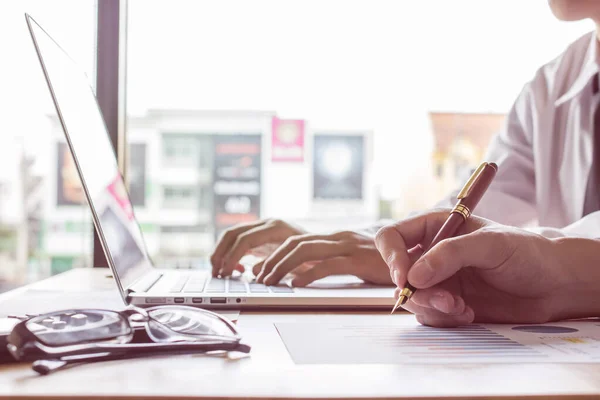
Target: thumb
{"type": "Point", "coordinates": [485, 249]}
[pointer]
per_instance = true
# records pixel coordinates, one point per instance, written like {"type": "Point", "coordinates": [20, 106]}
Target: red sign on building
{"type": "Point", "coordinates": [287, 140]}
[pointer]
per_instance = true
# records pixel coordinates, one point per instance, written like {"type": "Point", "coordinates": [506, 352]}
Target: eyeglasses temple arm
{"type": "Point", "coordinates": [44, 367]}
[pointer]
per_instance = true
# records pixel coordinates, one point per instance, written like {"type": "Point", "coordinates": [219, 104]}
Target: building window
{"type": "Point", "coordinates": [180, 150]}
{"type": "Point", "coordinates": [180, 197]}
{"type": "Point", "coordinates": [205, 152]}
{"type": "Point", "coordinates": [205, 197]}
{"type": "Point", "coordinates": [178, 229]}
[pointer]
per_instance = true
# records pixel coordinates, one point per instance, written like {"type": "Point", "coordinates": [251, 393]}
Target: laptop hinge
{"type": "Point", "coordinates": [145, 282]}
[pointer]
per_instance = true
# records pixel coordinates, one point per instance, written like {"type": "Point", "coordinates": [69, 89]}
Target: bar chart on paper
{"type": "Point", "coordinates": [402, 340]}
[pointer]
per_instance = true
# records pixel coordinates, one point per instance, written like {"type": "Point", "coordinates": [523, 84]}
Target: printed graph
{"type": "Point", "coordinates": [466, 342]}
{"type": "Point", "coordinates": [545, 329]}
{"type": "Point", "coordinates": [394, 343]}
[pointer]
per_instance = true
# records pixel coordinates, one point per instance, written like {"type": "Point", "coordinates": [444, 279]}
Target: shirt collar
{"type": "Point", "coordinates": [589, 71]}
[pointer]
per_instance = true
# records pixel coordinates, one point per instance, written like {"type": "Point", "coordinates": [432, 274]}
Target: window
{"type": "Point", "coordinates": [184, 229]}
{"type": "Point", "coordinates": [205, 197]}
{"type": "Point", "coordinates": [45, 227]}
{"type": "Point", "coordinates": [180, 150]}
{"type": "Point", "coordinates": [320, 112]}
{"type": "Point", "coordinates": [180, 197]}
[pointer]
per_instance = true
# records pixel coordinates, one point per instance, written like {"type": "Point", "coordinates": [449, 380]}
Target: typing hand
{"type": "Point", "coordinates": [256, 238]}
{"type": "Point", "coordinates": [306, 257]}
{"type": "Point", "coordinates": [487, 273]}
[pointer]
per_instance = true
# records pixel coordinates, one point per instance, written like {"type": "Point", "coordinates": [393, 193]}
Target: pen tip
{"type": "Point", "coordinates": [401, 300]}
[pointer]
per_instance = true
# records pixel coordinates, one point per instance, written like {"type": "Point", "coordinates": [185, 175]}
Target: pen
{"type": "Point", "coordinates": [468, 198]}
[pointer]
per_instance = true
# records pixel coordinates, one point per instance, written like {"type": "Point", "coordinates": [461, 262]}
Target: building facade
{"type": "Point", "coordinates": [192, 174]}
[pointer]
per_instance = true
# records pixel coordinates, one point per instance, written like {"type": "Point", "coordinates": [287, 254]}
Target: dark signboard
{"type": "Point", "coordinates": [236, 180]}
{"type": "Point", "coordinates": [338, 167]}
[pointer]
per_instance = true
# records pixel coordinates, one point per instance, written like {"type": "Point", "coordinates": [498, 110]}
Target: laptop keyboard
{"type": "Point", "coordinates": [204, 284]}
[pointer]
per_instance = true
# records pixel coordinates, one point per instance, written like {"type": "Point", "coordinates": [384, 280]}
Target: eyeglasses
{"type": "Point", "coordinates": [63, 338]}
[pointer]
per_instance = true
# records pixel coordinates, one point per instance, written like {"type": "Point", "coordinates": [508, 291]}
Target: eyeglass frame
{"type": "Point", "coordinates": [25, 345]}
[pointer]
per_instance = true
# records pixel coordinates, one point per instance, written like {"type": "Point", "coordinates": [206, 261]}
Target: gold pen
{"type": "Point", "coordinates": [468, 198]}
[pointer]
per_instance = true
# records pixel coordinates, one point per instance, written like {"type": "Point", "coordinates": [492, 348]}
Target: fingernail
{"type": "Point", "coordinates": [421, 273]}
{"type": "Point", "coordinates": [459, 303]}
{"type": "Point", "coordinates": [397, 277]}
{"type": "Point", "coordinates": [440, 303]}
{"type": "Point", "coordinates": [296, 283]}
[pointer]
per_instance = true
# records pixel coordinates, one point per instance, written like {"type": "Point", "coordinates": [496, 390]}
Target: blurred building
{"type": "Point", "coordinates": [193, 173]}
{"type": "Point", "coordinates": [461, 140]}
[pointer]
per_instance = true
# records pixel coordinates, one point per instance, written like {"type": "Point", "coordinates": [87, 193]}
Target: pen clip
{"type": "Point", "coordinates": [466, 190]}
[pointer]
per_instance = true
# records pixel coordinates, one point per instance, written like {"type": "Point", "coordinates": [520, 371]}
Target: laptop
{"type": "Point", "coordinates": [139, 281]}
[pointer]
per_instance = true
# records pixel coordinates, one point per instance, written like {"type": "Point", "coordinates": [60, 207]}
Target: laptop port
{"type": "Point", "coordinates": [238, 300]}
{"type": "Point", "coordinates": [196, 300]}
{"type": "Point", "coordinates": [218, 300]}
{"type": "Point", "coordinates": [179, 300]}
{"type": "Point", "coordinates": [156, 300]}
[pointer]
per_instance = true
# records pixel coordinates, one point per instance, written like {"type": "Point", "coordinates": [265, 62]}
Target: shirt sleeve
{"type": "Point", "coordinates": [587, 227]}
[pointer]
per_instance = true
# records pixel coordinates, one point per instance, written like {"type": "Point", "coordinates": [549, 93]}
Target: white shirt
{"type": "Point", "coordinates": [544, 152]}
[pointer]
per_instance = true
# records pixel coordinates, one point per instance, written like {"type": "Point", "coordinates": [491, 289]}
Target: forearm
{"type": "Point", "coordinates": [579, 263]}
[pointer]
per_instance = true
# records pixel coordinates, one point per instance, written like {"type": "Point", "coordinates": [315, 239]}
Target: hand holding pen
{"type": "Point", "coordinates": [488, 272]}
{"type": "Point", "coordinates": [468, 199]}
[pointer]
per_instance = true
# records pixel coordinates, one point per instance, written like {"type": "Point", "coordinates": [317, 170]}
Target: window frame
{"type": "Point", "coordinates": [111, 68]}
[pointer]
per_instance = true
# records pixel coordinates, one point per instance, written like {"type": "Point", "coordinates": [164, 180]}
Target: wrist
{"type": "Point", "coordinates": [578, 262]}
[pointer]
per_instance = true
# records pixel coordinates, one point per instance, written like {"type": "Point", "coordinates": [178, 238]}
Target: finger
{"type": "Point", "coordinates": [394, 241]}
{"type": "Point", "coordinates": [415, 253]}
{"type": "Point", "coordinates": [257, 267]}
{"type": "Point", "coordinates": [290, 244]}
{"type": "Point", "coordinates": [446, 321]}
{"type": "Point", "coordinates": [432, 317]}
{"type": "Point", "coordinates": [334, 266]}
{"type": "Point", "coordinates": [304, 252]}
{"type": "Point", "coordinates": [248, 240]}
{"type": "Point", "coordinates": [265, 250]}
{"type": "Point", "coordinates": [486, 249]}
{"type": "Point", "coordinates": [440, 300]}
{"type": "Point", "coordinates": [435, 298]}
{"type": "Point", "coordinates": [240, 268]}
{"type": "Point", "coordinates": [413, 256]}
{"type": "Point", "coordinates": [225, 242]}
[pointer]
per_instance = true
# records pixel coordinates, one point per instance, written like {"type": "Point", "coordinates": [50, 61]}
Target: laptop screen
{"type": "Point", "coordinates": [89, 143]}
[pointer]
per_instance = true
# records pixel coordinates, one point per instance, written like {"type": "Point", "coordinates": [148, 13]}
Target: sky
{"type": "Point", "coordinates": [377, 65]}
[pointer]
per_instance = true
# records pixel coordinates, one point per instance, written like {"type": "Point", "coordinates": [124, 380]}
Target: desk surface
{"type": "Point", "coordinates": [270, 372]}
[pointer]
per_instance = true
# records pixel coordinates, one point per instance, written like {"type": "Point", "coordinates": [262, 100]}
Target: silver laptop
{"type": "Point", "coordinates": [139, 281]}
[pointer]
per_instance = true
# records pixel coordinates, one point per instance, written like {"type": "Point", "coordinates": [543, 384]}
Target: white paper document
{"type": "Point", "coordinates": [401, 339]}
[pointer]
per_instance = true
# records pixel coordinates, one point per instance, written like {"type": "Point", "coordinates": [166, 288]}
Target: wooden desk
{"type": "Point", "coordinates": [271, 373]}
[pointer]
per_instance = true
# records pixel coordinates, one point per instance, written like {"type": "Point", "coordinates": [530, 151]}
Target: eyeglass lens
{"type": "Point", "coordinates": [73, 327]}
{"type": "Point", "coordinates": [185, 323]}
{"type": "Point", "coordinates": [165, 324]}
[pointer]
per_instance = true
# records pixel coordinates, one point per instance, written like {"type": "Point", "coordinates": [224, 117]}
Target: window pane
{"type": "Point", "coordinates": [359, 109]}
{"type": "Point", "coordinates": [44, 228]}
